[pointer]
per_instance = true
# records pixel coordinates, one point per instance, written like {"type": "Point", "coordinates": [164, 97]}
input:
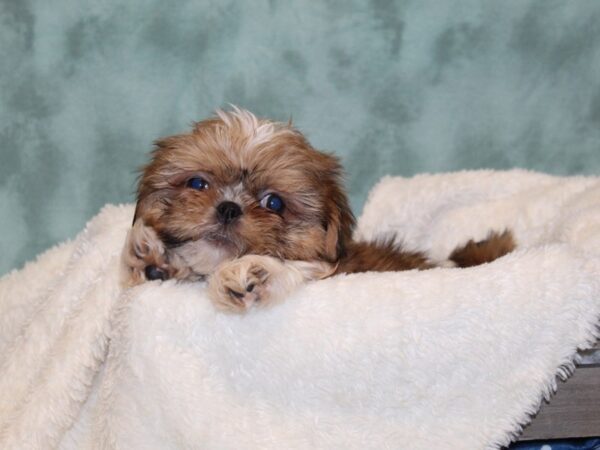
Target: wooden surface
{"type": "Point", "coordinates": [574, 411]}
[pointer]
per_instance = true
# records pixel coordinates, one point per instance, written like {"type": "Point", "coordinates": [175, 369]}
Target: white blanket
{"type": "Point", "coordinates": [446, 358]}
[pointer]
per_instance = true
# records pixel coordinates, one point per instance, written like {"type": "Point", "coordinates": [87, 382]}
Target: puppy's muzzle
{"type": "Point", "coordinates": [227, 212]}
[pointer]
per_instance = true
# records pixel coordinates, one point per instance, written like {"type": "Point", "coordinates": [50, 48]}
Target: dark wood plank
{"type": "Point", "coordinates": [574, 411]}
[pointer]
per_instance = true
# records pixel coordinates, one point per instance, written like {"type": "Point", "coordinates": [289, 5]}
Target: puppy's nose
{"type": "Point", "coordinates": [227, 212]}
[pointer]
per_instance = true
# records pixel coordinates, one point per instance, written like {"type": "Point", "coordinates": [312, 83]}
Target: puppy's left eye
{"type": "Point", "coordinates": [197, 183]}
{"type": "Point", "coordinates": [273, 202]}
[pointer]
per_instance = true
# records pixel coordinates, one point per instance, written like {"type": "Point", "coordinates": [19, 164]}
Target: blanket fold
{"type": "Point", "coordinates": [445, 358]}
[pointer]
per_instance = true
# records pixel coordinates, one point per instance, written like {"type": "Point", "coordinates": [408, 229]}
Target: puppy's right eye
{"type": "Point", "coordinates": [197, 183]}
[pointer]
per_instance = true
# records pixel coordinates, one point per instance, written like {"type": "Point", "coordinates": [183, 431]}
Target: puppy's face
{"type": "Point", "coordinates": [237, 185]}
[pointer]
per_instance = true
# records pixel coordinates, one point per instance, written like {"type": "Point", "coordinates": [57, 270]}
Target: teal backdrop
{"type": "Point", "coordinates": [393, 87]}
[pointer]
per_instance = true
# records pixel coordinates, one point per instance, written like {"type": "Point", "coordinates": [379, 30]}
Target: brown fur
{"type": "Point", "coordinates": [244, 158]}
{"type": "Point", "coordinates": [485, 251]}
{"type": "Point", "coordinates": [380, 256]}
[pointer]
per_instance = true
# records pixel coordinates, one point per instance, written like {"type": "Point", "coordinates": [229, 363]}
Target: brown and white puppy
{"type": "Point", "coordinates": [252, 206]}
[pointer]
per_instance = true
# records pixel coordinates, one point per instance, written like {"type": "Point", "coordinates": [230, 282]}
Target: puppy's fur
{"type": "Point", "coordinates": [223, 226]}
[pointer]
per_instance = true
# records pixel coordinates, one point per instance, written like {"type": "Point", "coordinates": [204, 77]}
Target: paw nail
{"type": "Point", "coordinates": [236, 294]}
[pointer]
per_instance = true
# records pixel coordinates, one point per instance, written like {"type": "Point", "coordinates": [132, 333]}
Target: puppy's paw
{"type": "Point", "coordinates": [237, 285]}
{"type": "Point", "coordinates": [260, 280]}
{"type": "Point", "coordinates": [144, 256]}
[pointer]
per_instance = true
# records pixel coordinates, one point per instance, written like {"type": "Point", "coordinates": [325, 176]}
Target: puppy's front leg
{"type": "Point", "coordinates": [144, 256]}
{"type": "Point", "coordinates": [238, 284]}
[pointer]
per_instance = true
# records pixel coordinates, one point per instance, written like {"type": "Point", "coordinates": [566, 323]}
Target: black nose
{"type": "Point", "coordinates": [227, 212]}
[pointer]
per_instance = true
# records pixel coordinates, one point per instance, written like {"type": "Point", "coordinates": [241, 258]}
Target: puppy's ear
{"type": "Point", "coordinates": [338, 221]}
{"type": "Point", "coordinates": [136, 214]}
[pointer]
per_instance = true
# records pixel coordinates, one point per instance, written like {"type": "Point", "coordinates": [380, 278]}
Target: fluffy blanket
{"type": "Point", "coordinates": [446, 358]}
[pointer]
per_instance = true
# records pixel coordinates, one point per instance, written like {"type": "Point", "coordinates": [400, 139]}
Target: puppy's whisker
{"type": "Point", "coordinates": [172, 241]}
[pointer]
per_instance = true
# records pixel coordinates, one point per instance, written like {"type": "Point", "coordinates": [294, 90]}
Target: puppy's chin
{"type": "Point", "coordinates": [202, 256]}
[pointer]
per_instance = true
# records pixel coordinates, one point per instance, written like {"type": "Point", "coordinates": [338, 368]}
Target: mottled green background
{"type": "Point", "coordinates": [393, 87]}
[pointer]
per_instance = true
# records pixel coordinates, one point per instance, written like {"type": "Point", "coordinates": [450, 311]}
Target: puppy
{"type": "Point", "coordinates": [251, 206]}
